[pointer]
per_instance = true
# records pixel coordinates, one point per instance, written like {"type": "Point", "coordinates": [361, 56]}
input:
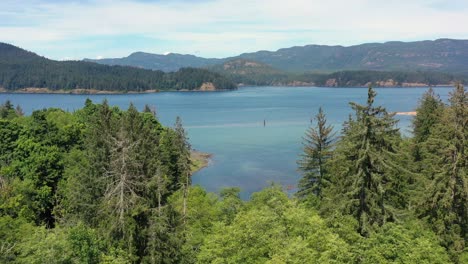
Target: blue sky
{"type": "Point", "coordinates": [72, 29]}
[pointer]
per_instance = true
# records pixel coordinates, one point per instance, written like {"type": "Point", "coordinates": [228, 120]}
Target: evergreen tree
{"type": "Point", "coordinates": [446, 197]}
{"type": "Point", "coordinates": [361, 166]}
{"type": "Point", "coordinates": [428, 114]}
{"type": "Point", "coordinates": [183, 164]}
{"type": "Point", "coordinates": [6, 110]}
{"type": "Point", "coordinates": [318, 144]}
{"type": "Point", "coordinates": [124, 176]}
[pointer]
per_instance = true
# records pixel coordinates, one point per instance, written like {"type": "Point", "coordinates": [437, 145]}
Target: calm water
{"type": "Point", "coordinates": [230, 124]}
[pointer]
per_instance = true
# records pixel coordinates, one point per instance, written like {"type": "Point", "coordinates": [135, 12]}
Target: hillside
{"type": "Point", "coordinates": [21, 69]}
{"type": "Point", "coordinates": [248, 72]}
{"type": "Point", "coordinates": [166, 63]}
{"type": "Point", "coordinates": [442, 55]}
{"type": "Point", "coordinates": [445, 55]}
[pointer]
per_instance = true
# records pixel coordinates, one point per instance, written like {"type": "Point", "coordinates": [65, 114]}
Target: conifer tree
{"type": "Point", "coordinates": [318, 144]}
{"type": "Point", "coordinates": [428, 114]}
{"type": "Point", "coordinates": [446, 197]}
{"type": "Point", "coordinates": [361, 166]}
{"type": "Point", "coordinates": [183, 163]}
{"type": "Point", "coordinates": [125, 179]}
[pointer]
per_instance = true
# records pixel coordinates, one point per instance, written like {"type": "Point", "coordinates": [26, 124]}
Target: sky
{"type": "Point", "coordinates": [66, 29]}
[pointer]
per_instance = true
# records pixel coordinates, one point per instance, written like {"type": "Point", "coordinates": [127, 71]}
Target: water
{"type": "Point", "coordinates": [230, 124]}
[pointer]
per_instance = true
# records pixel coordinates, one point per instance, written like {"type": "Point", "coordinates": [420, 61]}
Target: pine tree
{"type": "Point", "coordinates": [361, 166]}
{"type": "Point", "coordinates": [318, 144]}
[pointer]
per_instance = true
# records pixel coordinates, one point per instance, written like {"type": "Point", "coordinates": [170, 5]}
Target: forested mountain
{"type": "Point", "coordinates": [22, 69]}
{"type": "Point", "coordinates": [247, 72]}
{"type": "Point", "coordinates": [104, 185]}
{"type": "Point", "coordinates": [442, 55]}
{"type": "Point", "coordinates": [167, 63]}
{"type": "Point", "coordinates": [445, 55]}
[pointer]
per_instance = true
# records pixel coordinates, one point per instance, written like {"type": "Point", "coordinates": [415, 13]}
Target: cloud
{"type": "Point", "coordinates": [218, 28]}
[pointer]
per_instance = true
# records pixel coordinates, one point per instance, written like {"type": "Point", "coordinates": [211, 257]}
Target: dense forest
{"type": "Point", "coordinates": [383, 78]}
{"type": "Point", "coordinates": [21, 69]}
{"type": "Point", "coordinates": [247, 72]}
{"type": "Point", "coordinates": [103, 185]}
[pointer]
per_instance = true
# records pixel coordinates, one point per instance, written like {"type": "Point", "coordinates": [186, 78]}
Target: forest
{"type": "Point", "coordinates": [106, 185]}
{"type": "Point", "coordinates": [22, 69]}
{"type": "Point", "coordinates": [265, 76]}
{"type": "Point", "coordinates": [248, 72]}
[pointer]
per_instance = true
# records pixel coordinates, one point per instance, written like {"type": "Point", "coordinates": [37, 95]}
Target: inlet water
{"type": "Point", "coordinates": [254, 133]}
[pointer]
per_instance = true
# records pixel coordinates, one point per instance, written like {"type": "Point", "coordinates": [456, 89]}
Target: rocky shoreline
{"type": "Point", "coordinates": [199, 160]}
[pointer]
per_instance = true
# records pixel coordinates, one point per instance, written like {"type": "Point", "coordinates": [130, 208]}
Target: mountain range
{"type": "Point", "coordinates": [441, 55]}
{"type": "Point", "coordinates": [167, 63]}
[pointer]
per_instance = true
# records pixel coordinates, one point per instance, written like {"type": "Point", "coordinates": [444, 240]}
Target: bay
{"type": "Point", "coordinates": [230, 125]}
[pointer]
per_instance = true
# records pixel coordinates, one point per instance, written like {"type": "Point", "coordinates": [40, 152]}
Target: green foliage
{"type": "Point", "coordinates": [318, 145]}
{"type": "Point", "coordinates": [445, 201]}
{"type": "Point", "coordinates": [104, 185]}
{"type": "Point", "coordinates": [362, 166]}
{"type": "Point", "coordinates": [273, 229]}
{"type": "Point", "coordinates": [91, 174]}
{"type": "Point", "coordinates": [248, 72]}
{"type": "Point", "coordinates": [360, 78]}
{"type": "Point", "coordinates": [21, 69]}
{"type": "Point", "coordinates": [429, 113]}
{"type": "Point", "coordinates": [409, 243]}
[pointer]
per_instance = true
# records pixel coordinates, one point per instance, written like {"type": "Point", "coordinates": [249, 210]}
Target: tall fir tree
{"type": "Point", "coordinates": [446, 196]}
{"type": "Point", "coordinates": [318, 145]}
{"type": "Point", "coordinates": [183, 163]}
{"type": "Point", "coordinates": [428, 114]}
{"type": "Point", "coordinates": [362, 164]}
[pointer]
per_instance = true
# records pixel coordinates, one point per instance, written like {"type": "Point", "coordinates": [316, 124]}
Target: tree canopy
{"type": "Point", "coordinates": [106, 185]}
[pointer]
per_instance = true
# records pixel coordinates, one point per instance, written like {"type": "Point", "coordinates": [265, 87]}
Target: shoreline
{"type": "Point", "coordinates": [200, 160]}
{"type": "Point", "coordinates": [33, 90]}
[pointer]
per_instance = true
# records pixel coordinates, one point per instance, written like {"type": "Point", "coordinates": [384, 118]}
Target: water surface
{"type": "Point", "coordinates": [230, 125]}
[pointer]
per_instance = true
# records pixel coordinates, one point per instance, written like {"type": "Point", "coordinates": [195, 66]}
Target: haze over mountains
{"type": "Point", "coordinates": [442, 55]}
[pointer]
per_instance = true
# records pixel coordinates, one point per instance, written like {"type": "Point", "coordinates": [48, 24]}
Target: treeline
{"type": "Point", "coordinates": [266, 76]}
{"type": "Point", "coordinates": [21, 69]}
{"type": "Point", "coordinates": [103, 185]}
{"type": "Point", "coordinates": [378, 78]}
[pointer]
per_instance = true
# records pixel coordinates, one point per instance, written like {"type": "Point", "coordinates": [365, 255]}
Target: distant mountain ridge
{"type": "Point", "coordinates": [166, 63]}
{"type": "Point", "coordinates": [442, 55]}
{"type": "Point", "coordinates": [446, 55]}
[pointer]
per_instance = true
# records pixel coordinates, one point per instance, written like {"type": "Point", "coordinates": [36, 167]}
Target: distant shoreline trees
{"type": "Point", "coordinates": [21, 69]}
